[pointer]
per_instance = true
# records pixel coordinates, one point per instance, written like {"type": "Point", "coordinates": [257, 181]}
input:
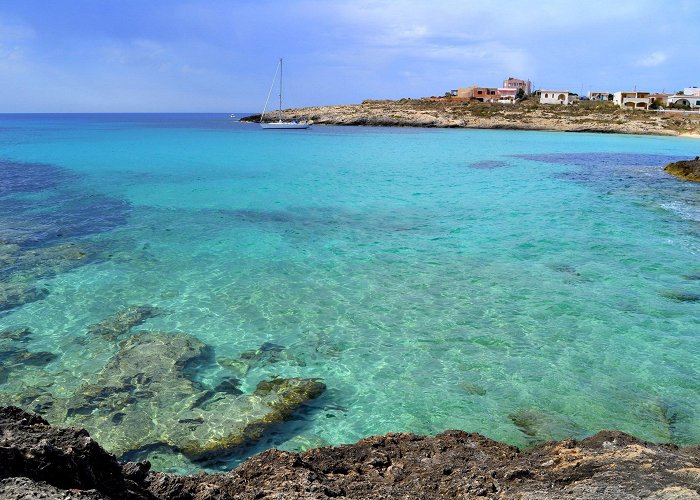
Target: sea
{"type": "Point", "coordinates": [525, 285]}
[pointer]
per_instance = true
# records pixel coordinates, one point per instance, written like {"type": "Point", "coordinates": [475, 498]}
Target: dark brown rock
{"type": "Point", "coordinates": [453, 464]}
{"type": "Point", "coordinates": [688, 169]}
{"type": "Point", "coordinates": [66, 459]}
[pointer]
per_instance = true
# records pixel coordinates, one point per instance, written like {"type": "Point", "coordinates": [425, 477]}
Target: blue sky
{"type": "Point", "coordinates": [220, 55]}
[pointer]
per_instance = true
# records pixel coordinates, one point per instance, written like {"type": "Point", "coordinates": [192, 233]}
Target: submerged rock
{"type": "Point", "coordinates": [30, 265]}
{"type": "Point", "coordinates": [16, 358]}
{"type": "Point", "coordinates": [680, 296]}
{"type": "Point", "coordinates": [488, 164]}
{"type": "Point", "coordinates": [17, 334]}
{"type": "Point", "coordinates": [687, 169]}
{"type": "Point", "coordinates": [267, 354]}
{"type": "Point", "coordinates": [39, 460]}
{"type": "Point", "coordinates": [540, 426]}
{"type": "Point", "coordinates": [17, 294]}
{"type": "Point", "coordinates": [123, 321]}
{"type": "Point", "coordinates": [145, 397]}
{"type": "Point", "coordinates": [473, 389]}
{"type": "Point", "coordinates": [8, 253]}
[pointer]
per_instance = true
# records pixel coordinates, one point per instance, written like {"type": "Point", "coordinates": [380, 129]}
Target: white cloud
{"type": "Point", "coordinates": [653, 59]}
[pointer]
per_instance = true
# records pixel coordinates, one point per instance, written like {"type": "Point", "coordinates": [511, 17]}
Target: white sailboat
{"type": "Point", "coordinates": [293, 125]}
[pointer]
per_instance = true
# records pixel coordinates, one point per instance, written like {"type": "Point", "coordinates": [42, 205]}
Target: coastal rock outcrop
{"type": "Point", "coordinates": [687, 169]}
{"type": "Point", "coordinates": [526, 115]}
{"type": "Point", "coordinates": [38, 459]}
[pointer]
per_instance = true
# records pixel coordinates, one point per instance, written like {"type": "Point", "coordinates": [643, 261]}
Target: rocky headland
{"type": "Point", "coordinates": [688, 169]}
{"type": "Point", "coordinates": [602, 117]}
{"type": "Point", "coordinates": [38, 460]}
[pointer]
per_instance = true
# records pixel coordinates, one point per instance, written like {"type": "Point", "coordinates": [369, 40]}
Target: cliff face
{"type": "Point", "coordinates": [689, 169]}
{"type": "Point", "coordinates": [528, 115]}
{"type": "Point", "coordinates": [40, 461]}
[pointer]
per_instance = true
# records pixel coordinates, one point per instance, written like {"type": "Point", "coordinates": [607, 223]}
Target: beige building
{"type": "Point", "coordinates": [632, 100]}
{"type": "Point", "coordinates": [475, 93]}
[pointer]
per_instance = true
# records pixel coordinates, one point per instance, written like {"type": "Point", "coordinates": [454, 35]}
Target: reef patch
{"type": "Point", "coordinates": [145, 397]}
{"type": "Point", "coordinates": [123, 321]}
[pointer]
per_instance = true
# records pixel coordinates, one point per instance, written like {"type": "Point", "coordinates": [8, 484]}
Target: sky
{"type": "Point", "coordinates": [221, 55]}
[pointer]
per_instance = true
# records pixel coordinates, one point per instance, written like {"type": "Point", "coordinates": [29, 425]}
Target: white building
{"type": "Point", "coordinates": [632, 100]}
{"type": "Point", "coordinates": [557, 97]}
{"type": "Point", "coordinates": [599, 96]}
{"type": "Point", "coordinates": [692, 91]}
{"type": "Point", "coordinates": [692, 101]}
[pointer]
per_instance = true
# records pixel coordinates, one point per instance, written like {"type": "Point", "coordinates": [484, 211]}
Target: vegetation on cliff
{"type": "Point", "coordinates": [588, 116]}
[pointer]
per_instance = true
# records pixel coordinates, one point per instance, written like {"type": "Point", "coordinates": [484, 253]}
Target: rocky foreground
{"type": "Point", "coordinates": [527, 115]}
{"type": "Point", "coordinates": [688, 169]}
{"type": "Point", "coordinates": [41, 461]}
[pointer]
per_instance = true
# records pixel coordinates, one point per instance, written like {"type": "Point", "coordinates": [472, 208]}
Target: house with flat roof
{"type": "Point", "coordinates": [632, 100]}
{"type": "Point", "coordinates": [599, 96]}
{"type": "Point", "coordinates": [479, 94]}
{"type": "Point", "coordinates": [506, 95]}
{"type": "Point", "coordinates": [557, 97]}
{"type": "Point", "coordinates": [691, 101]}
{"type": "Point", "coordinates": [515, 83]}
{"type": "Point", "coordinates": [659, 99]}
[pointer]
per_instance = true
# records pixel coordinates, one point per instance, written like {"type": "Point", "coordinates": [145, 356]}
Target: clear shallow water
{"type": "Point", "coordinates": [524, 285]}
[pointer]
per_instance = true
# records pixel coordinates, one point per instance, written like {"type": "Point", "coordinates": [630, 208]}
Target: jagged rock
{"type": "Point", "coordinates": [17, 294]}
{"type": "Point", "coordinates": [63, 458]}
{"type": "Point", "coordinates": [123, 321]}
{"type": "Point", "coordinates": [22, 488]}
{"type": "Point", "coordinates": [453, 464]}
{"type": "Point", "coordinates": [688, 169]}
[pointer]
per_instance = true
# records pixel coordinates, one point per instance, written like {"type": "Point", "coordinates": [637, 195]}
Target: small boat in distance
{"type": "Point", "coordinates": [280, 125]}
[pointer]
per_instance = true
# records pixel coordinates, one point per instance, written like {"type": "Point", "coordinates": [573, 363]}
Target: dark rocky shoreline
{"type": "Point", "coordinates": [688, 169]}
{"type": "Point", "coordinates": [41, 461]}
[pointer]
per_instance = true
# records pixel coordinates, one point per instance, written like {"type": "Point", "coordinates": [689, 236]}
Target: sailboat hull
{"type": "Point", "coordinates": [284, 125]}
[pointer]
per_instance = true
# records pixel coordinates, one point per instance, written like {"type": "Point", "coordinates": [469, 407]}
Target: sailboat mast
{"type": "Point", "coordinates": [280, 112]}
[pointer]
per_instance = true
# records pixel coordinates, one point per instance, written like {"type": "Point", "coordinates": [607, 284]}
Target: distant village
{"type": "Point", "coordinates": [514, 90]}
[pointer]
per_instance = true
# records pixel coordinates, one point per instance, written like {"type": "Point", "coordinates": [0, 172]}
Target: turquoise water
{"type": "Point", "coordinates": [523, 285]}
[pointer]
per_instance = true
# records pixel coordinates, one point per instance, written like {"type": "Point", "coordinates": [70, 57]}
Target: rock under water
{"type": "Point", "coordinates": [123, 321]}
{"type": "Point", "coordinates": [41, 461]}
{"type": "Point", "coordinates": [146, 396]}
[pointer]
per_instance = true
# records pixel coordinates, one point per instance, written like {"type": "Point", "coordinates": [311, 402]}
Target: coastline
{"type": "Point", "coordinates": [38, 460]}
{"type": "Point", "coordinates": [528, 115]}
